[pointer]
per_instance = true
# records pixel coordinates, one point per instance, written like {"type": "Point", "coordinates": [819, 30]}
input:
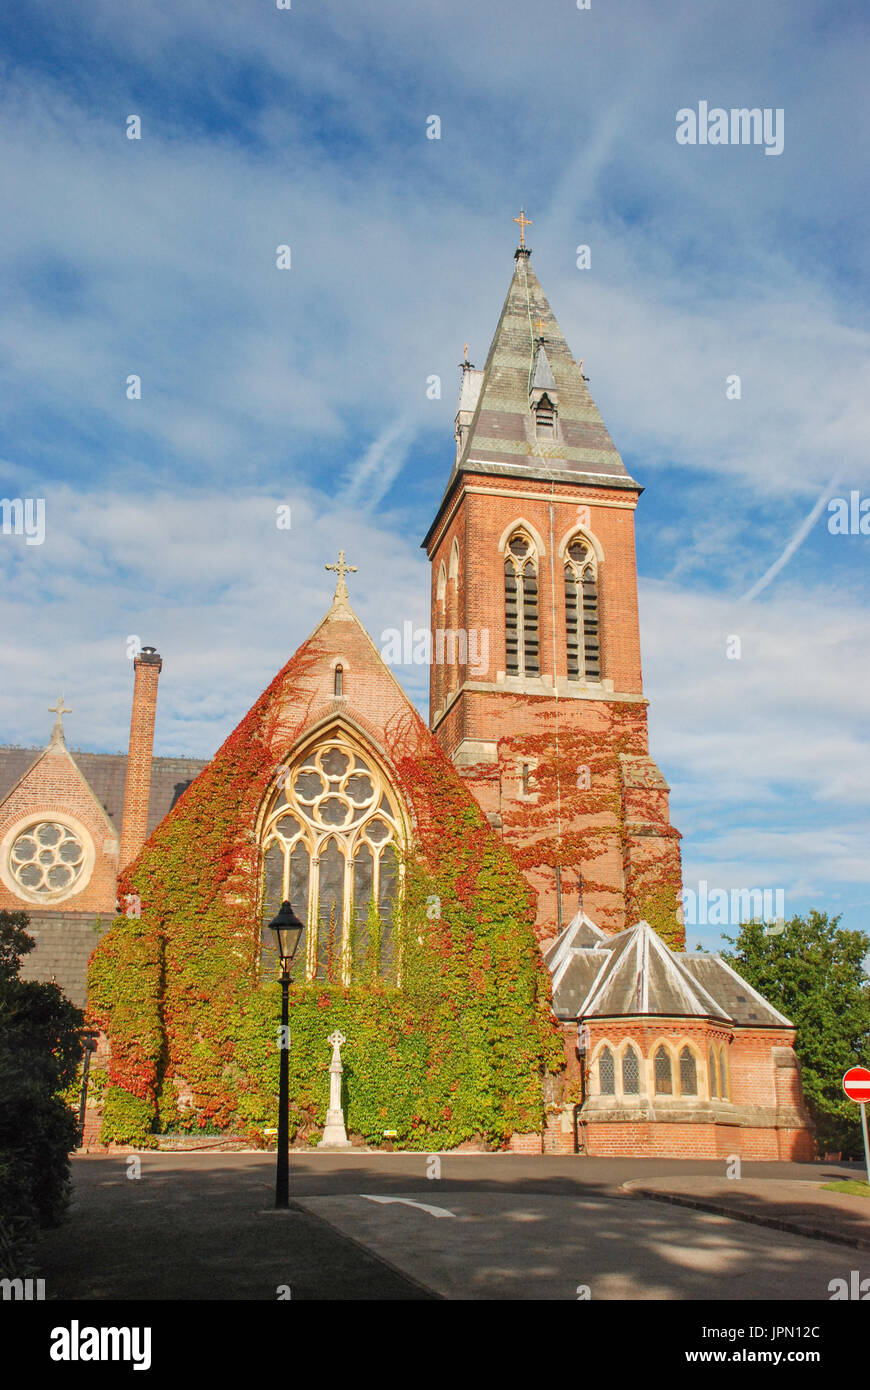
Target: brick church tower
{"type": "Point", "coordinates": [536, 691]}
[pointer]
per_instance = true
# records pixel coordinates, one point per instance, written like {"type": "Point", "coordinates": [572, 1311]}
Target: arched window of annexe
{"type": "Point", "coordinates": [714, 1074]}
{"type": "Point", "coordinates": [630, 1072]}
{"type": "Point", "coordinates": [521, 608]}
{"type": "Point", "coordinates": [581, 613]}
{"type": "Point", "coordinates": [331, 848]}
{"type": "Point", "coordinates": [606, 1073]}
{"type": "Point", "coordinates": [723, 1074]}
{"type": "Point", "coordinates": [688, 1073]}
{"type": "Point", "coordinates": [663, 1076]}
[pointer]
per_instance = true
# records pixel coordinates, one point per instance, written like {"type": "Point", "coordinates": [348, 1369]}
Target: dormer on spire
{"type": "Point", "coordinates": [543, 396]}
{"type": "Point", "coordinates": [542, 374]}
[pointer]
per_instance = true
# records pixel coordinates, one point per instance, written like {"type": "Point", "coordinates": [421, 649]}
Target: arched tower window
{"type": "Point", "coordinates": [521, 608]}
{"type": "Point", "coordinates": [606, 1073]}
{"type": "Point", "coordinates": [688, 1073]}
{"type": "Point", "coordinates": [331, 844]}
{"type": "Point", "coordinates": [630, 1072]}
{"type": "Point", "coordinates": [662, 1067]}
{"type": "Point", "coordinates": [581, 613]}
{"type": "Point", "coordinates": [439, 623]}
{"type": "Point", "coordinates": [338, 681]}
{"type": "Point", "coordinates": [449, 647]}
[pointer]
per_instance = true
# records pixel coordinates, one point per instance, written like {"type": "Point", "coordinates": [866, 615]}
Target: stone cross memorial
{"type": "Point", "coordinates": [335, 1134]}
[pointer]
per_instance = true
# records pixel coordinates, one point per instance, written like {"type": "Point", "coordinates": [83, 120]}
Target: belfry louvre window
{"type": "Point", "coordinates": [521, 609]}
{"type": "Point", "coordinates": [545, 417]}
{"type": "Point", "coordinates": [331, 846]}
{"type": "Point", "coordinates": [581, 614]}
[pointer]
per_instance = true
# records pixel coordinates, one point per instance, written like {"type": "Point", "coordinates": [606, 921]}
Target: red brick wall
{"type": "Point", "coordinates": [55, 787]}
{"type": "Point", "coordinates": [634, 834]}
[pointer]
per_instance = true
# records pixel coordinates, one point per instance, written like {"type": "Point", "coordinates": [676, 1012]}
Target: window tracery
{"type": "Point", "coordinates": [331, 848]}
{"type": "Point", "coordinates": [47, 859]}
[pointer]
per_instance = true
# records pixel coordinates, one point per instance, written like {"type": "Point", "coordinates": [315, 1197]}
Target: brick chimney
{"type": "Point", "coordinates": [148, 665]}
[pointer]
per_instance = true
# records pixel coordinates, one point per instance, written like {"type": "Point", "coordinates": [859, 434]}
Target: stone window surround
{"type": "Point", "coordinates": [531, 796]}
{"type": "Point", "coordinates": [647, 1082]}
{"type": "Point", "coordinates": [30, 821]}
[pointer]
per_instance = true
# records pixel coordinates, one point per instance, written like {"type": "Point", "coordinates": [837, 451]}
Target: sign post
{"type": "Point", "coordinates": [856, 1084]}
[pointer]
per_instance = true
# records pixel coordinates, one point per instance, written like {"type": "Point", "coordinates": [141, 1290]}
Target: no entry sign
{"type": "Point", "coordinates": [856, 1083]}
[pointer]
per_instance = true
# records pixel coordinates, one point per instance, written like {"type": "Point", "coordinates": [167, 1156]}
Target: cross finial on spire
{"type": "Point", "coordinates": [540, 327]}
{"type": "Point", "coordinates": [60, 709]}
{"type": "Point", "coordinates": [524, 222]}
{"type": "Point", "coordinates": [341, 569]}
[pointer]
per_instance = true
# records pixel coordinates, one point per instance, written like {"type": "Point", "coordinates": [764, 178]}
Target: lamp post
{"type": "Point", "coordinates": [288, 930]}
{"type": "Point", "coordinates": [89, 1044]}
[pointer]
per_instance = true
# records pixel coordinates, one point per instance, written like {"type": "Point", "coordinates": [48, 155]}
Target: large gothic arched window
{"type": "Point", "coordinates": [331, 848]}
{"type": "Point", "coordinates": [521, 608]}
{"type": "Point", "coordinates": [581, 613]}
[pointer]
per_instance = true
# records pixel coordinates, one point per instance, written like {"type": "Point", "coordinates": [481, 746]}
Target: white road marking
{"type": "Point", "coordinates": [406, 1202]}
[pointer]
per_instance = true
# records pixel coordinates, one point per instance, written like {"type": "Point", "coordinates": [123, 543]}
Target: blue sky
{"type": "Point", "coordinates": [307, 127]}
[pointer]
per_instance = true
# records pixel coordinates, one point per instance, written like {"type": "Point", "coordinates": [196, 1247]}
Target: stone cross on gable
{"type": "Point", "coordinates": [342, 569]}
{"type": "Point", "coordinates": [60, 709]}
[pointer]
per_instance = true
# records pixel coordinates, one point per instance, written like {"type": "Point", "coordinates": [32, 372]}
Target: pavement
{"type": "Point", "coordinates": [801, 1207]}
{"type": "Point", "coordinates": [403, 1226]}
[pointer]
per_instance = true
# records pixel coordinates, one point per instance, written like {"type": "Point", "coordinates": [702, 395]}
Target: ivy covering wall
{"type": "Point", "coordinates": [455, 1052]}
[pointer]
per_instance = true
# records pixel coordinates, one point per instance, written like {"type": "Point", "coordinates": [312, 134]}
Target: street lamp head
{"type": "Point", "coordinates": [288, 931]}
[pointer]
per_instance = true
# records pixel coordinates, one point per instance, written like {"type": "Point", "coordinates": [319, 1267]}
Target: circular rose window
{"type": "Point", "coordinates": [47, 859]}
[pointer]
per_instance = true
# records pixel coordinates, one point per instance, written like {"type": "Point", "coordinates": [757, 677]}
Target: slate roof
{"type": "Point", "coordinates": [106, 774]}
{"type": "Point", "coordinates": [634, 974]}
{"type": "Point", "coordinates": [744, 1004]}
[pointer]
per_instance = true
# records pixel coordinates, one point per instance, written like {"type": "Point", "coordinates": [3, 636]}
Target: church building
{"type": "Point", "coordinates": [491, 904]}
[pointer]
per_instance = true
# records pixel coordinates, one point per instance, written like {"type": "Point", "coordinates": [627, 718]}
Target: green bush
{"type": "Point", "coordinates": [40, 1047]}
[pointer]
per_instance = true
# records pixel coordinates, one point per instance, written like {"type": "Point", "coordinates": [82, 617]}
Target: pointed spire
{"type": "Point", "coordinates": [529, 353]}
{"type": "Point", "coordinates": [60, 709]}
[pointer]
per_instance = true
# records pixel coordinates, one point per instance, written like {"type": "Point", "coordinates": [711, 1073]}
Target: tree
{"type": "Point", "coordinates": [813, 973]}
{"type": "Point", "coordinates": [40, 1047]}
